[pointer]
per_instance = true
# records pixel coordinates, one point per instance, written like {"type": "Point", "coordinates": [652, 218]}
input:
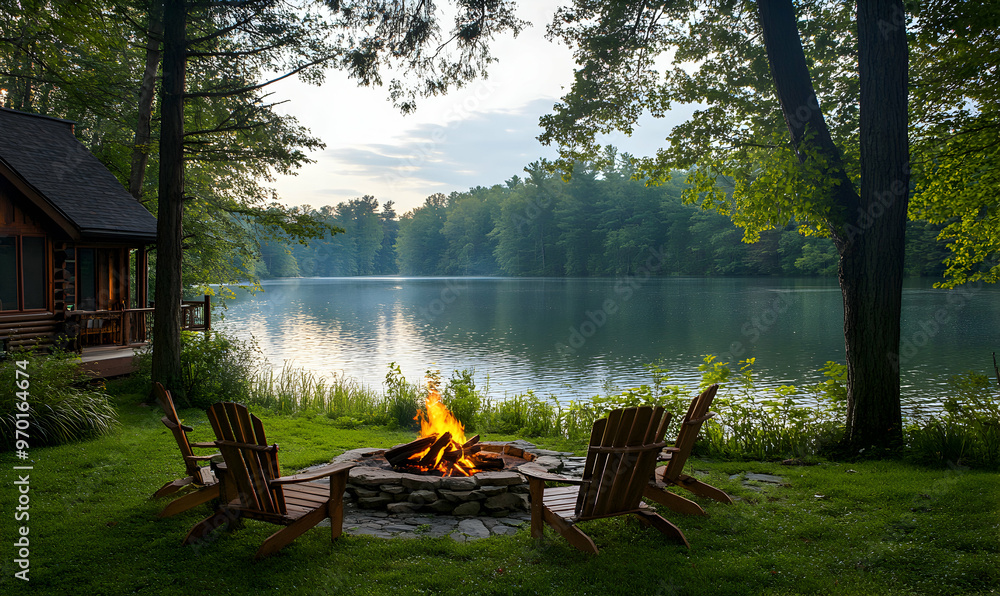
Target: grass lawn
{"type": "Point", "coordinates": [833, 528]}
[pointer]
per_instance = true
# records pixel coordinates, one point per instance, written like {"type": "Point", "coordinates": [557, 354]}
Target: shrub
{"type": "Point", "coordinates": [64, 404]}
{"type": "Point", "coordinates": [462, 399]}
{"type": "Point", "coordinates": [215, 366]}
{"type": "Point", "coordinates": [402, 399]}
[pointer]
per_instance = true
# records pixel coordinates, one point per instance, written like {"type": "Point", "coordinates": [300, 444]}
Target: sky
{"type": "Point", "coordinates": [480, 135]}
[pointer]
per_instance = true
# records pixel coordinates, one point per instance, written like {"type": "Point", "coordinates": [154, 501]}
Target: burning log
{"type": "Point", "coordinates": [470, 443]}
{"type": "Point", "coordinates": [488, 461]}
{"type": "Point", "coordinates": [401, 453]}
{"type": "Point", "coordinates": [431, 458]}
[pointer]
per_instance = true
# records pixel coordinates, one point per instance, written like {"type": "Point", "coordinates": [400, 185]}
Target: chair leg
{"type": "Point", "coordinates": [672, 500]}
{"type": "Point", "coordinates": [286, 535]}
{"type": "Point", "coordinates": [574, 535]}
{"type": "Point", "coordinates": [338, 483]}
{"type": "Point", "coordinates": [172, 487]}
{"type": "Point", "coordinates": [703, 490]}
{"type": "Point", "coordinates": [202, 495]}
{"type": "Point", "coordinates": [222, 518]}
{"type": "Point", "coordinates": [536, 492]}
{"type": "Point", "coordinates": [661, 524]}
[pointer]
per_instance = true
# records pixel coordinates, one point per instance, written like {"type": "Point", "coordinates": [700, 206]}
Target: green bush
{"type": "Point", "coordinates": [402, 399]}
{"type": "Point", "coordinates": [63, 403]}
{"type": "Point", "coordinates": [462, 399]}
{"type": "Point", "coordinates": [215, 367]}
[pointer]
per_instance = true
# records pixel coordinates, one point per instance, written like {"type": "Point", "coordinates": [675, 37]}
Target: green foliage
{"type": "Point", "coordinates": [524, 415]}
{"type": "Point", "coordinates": [216, 366]}
{"type": "Point", "coordinates": [63, 403]}
{"type": "Point", "coordinates": [955, 109]}
{"type": "Point", "coordinates": [966, 431]}
{"type": "Point", "coordinates": [345, 401]}
{"type": "Point", "coordinates": [751, 422]}
{"type": "Point", "coordinates": [635, 58]}
{"type": "Point", "coordinates": [783, 422]}
{"type": "Point", "coordinates": [600, 223]}
{"type": "Point", "coordinates": [403, 399]}
{"type": "Point", "coordinates": [462, 399]}
{"type": "Point", "coordinates": [86, 61]}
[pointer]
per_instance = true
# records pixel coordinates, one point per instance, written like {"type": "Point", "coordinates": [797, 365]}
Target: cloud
{"type": "Point", "coordinates": [482, 149]}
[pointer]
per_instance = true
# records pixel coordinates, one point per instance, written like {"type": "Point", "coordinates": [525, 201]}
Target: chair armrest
{"type": "Point", "coordinates": [700, 420]}
{"type": "Point", "coordinates": [200, 457]}
{"type": "Point", "coordinates": [537, 473]}
{"type": "Point", "coordinates": [210, 445]}
{"type": "Point", "coordinates": [323, 473]}
{"type": "Point", "coordinates": [172, 425]}
{"type": "Point", "coordinates": [251, 446]}
{"type": "Point", "coordinates": [661, 456]}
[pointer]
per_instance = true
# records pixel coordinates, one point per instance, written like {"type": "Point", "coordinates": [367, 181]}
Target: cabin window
{"type": "Point", "coordinates": [8, 273]}
{"type": "Point", "coordinates": [86, 282]}
{"type": "Point", "coordinates": [22, 273]}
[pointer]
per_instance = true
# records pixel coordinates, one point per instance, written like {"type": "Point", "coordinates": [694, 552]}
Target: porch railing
{"type": "Point", "coordinates": [133, 325]}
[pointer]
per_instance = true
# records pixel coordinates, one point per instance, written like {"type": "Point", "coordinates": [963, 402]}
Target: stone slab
{"type": "Point", "coordinates": [768, 478]}
{"type": "Point", "coordinates": [498, 478]}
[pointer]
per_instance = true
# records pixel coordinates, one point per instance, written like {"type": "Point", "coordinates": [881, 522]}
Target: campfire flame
{"type": "Point", "coordinates": [438, 419]}
{"type": "Point", "coordinates": [447, 453]}
{"type": "Point", "coordinates": [442, 447]}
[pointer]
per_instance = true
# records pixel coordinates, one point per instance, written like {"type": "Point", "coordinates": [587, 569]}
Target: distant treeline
{"type": "Point", "coordinates": [599, 223]}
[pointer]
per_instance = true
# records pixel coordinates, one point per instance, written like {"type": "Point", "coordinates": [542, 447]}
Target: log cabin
{"type": "Point", "coordinates": [73, 247]}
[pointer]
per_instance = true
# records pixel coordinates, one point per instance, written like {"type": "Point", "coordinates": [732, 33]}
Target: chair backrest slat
{"type": "Point", "coordinates": [645, 460]}
{"type": "Point", "coordinates": [587, 496]}
{"type": "Point", "coordinates": [623, 450]}
{"type": "Point", "coordinates": [269, 466]}
{"type": "Point", "coordinates": [689, 432]}
{"type": "Point", "coordinates": [618, 473]}
{"type": "Point", "coordinates": [249, 469]}
{"type": "Point", "coordinates": [166, 403]}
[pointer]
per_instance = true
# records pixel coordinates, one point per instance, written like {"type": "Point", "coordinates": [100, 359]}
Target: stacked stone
{"type": "Point", "coordinates": [495, 494]}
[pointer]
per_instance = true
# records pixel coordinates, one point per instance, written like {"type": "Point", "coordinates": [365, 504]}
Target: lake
{"type": "Point", "coordinates": [573, 337]}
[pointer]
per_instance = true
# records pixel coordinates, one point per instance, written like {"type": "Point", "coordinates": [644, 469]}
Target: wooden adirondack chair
{"type": "Point", "coordinates": [676, 456]}
{"type": "Point", "coordinates": [620, 461]}
{"type": "Point", "coordinates": [200, 477]}
{"type": "Point", "coordinates": [252, 485]}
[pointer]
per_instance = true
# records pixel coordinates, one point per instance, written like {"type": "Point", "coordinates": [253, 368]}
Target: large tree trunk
{"type": "Point", "coordinates": [867, 228]}
{"type": "Point", "coordinates": [167, 318]}
{"type": "Point", "coordinates": [147, 88]}
{"type": "Point", "coordinates": [871, 268]}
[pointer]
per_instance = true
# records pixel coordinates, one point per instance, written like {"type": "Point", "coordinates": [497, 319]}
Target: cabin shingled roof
{"type": "Point", "coordinates": [44, 152]}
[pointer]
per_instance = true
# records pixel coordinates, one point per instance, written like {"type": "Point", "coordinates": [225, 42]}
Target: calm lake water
{"type": "Point", "coordinates": [571, 337]}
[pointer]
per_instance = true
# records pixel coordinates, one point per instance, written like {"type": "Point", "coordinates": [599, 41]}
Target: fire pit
{"type": "Point", "coordinates": [374, 484]}
{"type": "Point", "coordinates": [440, 472]}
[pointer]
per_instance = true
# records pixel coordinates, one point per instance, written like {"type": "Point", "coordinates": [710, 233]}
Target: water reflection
{"type": "Point", "coordinates": [571, 337]}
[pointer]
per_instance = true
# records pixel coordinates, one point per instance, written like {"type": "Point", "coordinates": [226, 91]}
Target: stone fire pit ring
{"type": "Point", "coordinates": [373, 484]}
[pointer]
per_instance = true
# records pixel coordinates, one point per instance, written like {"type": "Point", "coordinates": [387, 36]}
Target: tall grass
{"type": "Point", "coordinates": [966, 431]}
{"type": "Point", "coordinates": [62, 403]}
{"type": "Point", "coordinates": [346, 401]}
